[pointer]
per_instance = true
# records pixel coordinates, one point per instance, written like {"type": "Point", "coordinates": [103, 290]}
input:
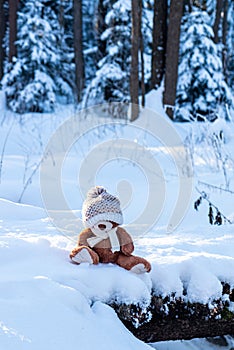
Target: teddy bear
{"type": "Point", "coordinates": [103, 239]}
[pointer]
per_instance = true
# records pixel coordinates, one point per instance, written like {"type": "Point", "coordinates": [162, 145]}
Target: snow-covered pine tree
{"type": "Point", "coordinates": [35, 77]}
{"type": "Point", "coordinates": [63, 10]}
{"type": "Point", "coordinates": [202, 92]}
{"type": "Point", "coordinates": [210, 9]}
{"type": "Point", "coordinates": [111, 82]}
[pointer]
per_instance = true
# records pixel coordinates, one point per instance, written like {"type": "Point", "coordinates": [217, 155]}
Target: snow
{"type": "Point", "coordinates": [47, 302]}
{"type": "Point", "coordinates": [120, 7]}
{"type": "Point", "coordinates": [194, 344]}
{"type": "Point", "coordinates": [14, 211]}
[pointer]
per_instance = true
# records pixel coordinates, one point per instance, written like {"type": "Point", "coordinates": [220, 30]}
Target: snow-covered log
{"type": "Point", "coordinates": [173, 319]}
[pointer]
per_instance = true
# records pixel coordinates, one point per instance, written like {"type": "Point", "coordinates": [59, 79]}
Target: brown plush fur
{"type": "Point", "coordinates": [102, 252]}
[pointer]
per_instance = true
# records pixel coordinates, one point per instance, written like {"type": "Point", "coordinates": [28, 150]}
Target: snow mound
{"type": "Point", "coordinates": [47, 302]}
{"type": "Point", "coordinates": [14, 211]}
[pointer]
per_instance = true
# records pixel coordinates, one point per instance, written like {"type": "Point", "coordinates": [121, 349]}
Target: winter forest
{"type": "Point", "coordinates": [89, 52]}
{"type": "Point", "coordinates": [117, 174]}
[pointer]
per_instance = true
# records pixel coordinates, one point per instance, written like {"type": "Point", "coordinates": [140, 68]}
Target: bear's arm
{"type": "Point", "coordinates": [83, 243]}
{"type": "Point", "coordinates": [125, 240]}
{"type": "Point", "coordinates": [83, 236]}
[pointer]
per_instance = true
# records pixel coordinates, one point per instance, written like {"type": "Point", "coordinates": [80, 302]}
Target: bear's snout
{"type": "Point", "coordinates": [102, 227]}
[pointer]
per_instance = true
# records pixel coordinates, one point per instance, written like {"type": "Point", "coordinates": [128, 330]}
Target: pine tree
{"type": "Point", "coordinates": [63, 10]}
{"type": "Point", "coordinates": [111, 82]}
{"type": "Point", "coordinates": [35, 77]}
{"type": "Point", "coordinates": [211, 10]}
{"type": "Point", "coordinates": [201, 90]}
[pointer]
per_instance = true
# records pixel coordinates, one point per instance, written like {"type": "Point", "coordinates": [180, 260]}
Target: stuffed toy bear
{"type": "Point", "coordinates": [103, 240]}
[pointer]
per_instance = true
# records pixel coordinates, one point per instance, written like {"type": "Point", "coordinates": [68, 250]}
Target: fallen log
{"type": "Point", "coordinates": [174, 318]}
{"type": "Point", "coordinates": [178, 329]}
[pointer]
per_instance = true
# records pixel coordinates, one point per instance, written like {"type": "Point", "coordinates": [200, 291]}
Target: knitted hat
{"type": "Point", "coordinates": [101, 205]}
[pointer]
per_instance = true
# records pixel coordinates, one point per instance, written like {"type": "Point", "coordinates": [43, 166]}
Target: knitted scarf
{"type": "Point", "coordinates": [100, 235]}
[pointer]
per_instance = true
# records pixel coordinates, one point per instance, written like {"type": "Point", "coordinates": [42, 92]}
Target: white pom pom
{"type": "Point", "coordinates": [95, 191]}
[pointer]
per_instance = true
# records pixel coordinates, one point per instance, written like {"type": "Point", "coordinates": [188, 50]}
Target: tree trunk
{"type": "Point", "coordinates": [224, 36]}
{"type": "Point", "coordinates": [61, 15]}
{"type": "Point", "coordinates": [172, 56]}
{"type": "Point", "coordinates": [13, 7]}
{"type": "Point", "coordinates": [159, 42]}
{"type": "Point", "coordinates": [78, 47]}
{"type": "Point", "coordinates": [184, 329]}
{"type": "Point", "coordinates": [100, 28]}
{"type": "Point", "coordinates": [219, 6]}
{"type": "Point", "coordinates": [2, 34]}
{"type": "Point", "coordinates": [142, 58]}
{"type": "Point", "coordinates": [134, 74]}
